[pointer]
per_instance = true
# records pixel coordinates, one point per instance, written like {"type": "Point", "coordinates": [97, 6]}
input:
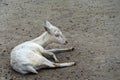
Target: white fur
{"type": "Point", "coordinates": [28, 56]}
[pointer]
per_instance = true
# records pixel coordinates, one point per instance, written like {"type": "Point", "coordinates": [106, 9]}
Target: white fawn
{"type": "Point", "coordinates": [28, 56]}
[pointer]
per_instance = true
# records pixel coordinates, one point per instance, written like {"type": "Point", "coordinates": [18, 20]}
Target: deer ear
{"type": "Point", "coordinates": [48, 26]}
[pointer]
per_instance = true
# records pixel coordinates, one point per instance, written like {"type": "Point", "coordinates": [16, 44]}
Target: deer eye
{"type": "Point", "coordinates": [57, 35]}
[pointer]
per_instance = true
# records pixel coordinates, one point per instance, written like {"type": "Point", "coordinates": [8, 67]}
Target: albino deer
{"type": "Point", "coordinates": [28, 56]}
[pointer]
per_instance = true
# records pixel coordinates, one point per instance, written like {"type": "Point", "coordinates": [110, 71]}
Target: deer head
{"type": "Point", "coordinates": [55, 33]}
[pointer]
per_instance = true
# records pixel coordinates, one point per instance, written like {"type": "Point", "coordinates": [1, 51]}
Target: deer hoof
{"type": "Point", "coordinates": [72, 48]}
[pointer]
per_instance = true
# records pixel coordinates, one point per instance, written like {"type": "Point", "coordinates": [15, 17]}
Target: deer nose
{"type": "Point", "coordinates": [66, 42]}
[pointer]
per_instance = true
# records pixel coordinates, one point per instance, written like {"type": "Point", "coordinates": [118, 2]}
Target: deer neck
{"type": "Point", "coordinates": [43, 40]}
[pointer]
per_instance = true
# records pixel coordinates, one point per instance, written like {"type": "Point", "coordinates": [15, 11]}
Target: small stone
{"type": "Point", "coordinates": [16, 28]}
{"type": "Point", "coordinates": [68, 58]}
{"type": "Point", "coordinates": [30, 36]}
{"type": "Point", "coordinates": [11, 79]}
{"type": "Point", "coordinates": [4, 50]}
{"type": "Point", "coordinates": [71, 21]}
{"type": "Point", "coordinates": [22, 29]}
{"type": "Point", "coordinates": [5, 3]}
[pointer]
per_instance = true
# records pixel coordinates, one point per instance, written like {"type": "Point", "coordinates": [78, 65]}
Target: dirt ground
{"type": "Point", "coordinates": [91, 26]}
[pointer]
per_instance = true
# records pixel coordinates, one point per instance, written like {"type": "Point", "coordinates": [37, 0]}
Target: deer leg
{"type": "Point", "coordinates": [53, 65]}
{"type": "Point", "coordinates": [61, 50]}
{"type": "Point", "coordinates": [52, 54]}
{"type": "Point", "coordinates": [30, 68]}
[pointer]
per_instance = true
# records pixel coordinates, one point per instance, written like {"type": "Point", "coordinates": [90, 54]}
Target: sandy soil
{"type": "Point", "coordinates": [91, 26]}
